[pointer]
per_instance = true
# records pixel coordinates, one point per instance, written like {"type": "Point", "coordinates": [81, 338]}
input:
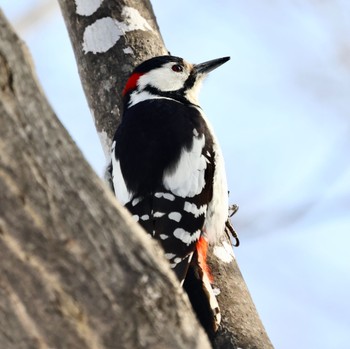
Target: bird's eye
{"type": "Point", "coordinates": [177, 68]}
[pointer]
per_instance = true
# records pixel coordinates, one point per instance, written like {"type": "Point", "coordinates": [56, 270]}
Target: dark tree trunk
{"type": "Point", "coordinates": [104, 71]}
{"type": "Point", "coordinates": [75, 270]}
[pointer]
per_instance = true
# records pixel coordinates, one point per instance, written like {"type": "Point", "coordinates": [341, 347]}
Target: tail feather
{"type": "Point", "coordinates": [198, 285]}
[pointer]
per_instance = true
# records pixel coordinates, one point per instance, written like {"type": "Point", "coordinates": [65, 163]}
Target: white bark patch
{"type": "Point", "coordinates": [224, 252]}
{"type": "Point", "coordinates": [216, 291]}
{"type": "Point", "coordinates": [128, 51]}
{"type": "Point", "coordinates": [134, 21]}
{"type": "Point", "coordinates": [104, 33]}
{"type": "Point", "coordinates": [101, 35]}
{"type": "Point", "coordinates": [87, 7]}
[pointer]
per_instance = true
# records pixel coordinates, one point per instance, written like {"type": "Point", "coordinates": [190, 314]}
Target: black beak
{"type": "Point", "coordinates": [207, 67]}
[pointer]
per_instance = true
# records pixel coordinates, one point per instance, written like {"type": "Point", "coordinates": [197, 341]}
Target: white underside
{"type": "Point", "coordinates": [217, 212]}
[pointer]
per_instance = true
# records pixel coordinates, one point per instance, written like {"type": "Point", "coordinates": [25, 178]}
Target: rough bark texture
{"type": "Point", "coordinates": [103, 75]}
{"type": "Point", "coordinates": [241, 324]}
{"type": "Point", "coordinates": [75, 271]}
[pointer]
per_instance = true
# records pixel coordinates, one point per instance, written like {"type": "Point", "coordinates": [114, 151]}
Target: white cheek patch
{"type": "Point", "coordinates": [163, 78]}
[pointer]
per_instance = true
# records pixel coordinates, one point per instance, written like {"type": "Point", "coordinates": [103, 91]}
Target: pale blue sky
{"type": "Point", "coordinates": [281, 111]}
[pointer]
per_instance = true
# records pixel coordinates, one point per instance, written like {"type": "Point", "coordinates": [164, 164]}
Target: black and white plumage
{"type": "Point", "coordinates": [167, 167]}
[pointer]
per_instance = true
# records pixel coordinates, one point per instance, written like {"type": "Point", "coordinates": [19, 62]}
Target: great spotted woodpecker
{"type": "Point", "coordinates": [167, 167]}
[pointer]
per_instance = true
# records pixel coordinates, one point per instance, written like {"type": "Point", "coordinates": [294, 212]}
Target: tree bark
{"type": "Point", "coordinates": [75, 271]}
{"type": "Point", "coordinates": [104, 71]}
{"type": "Point", "coordinates": [107, 46]}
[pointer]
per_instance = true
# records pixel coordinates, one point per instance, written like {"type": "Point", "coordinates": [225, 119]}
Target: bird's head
{"type": "Point", "coordinates": [168, 76]}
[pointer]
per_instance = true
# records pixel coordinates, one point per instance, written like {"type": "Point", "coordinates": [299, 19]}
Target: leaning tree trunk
{"type": "Point", "coordinates": [75, 270]}
{"type": "Point", "coordinates": [109, 39]}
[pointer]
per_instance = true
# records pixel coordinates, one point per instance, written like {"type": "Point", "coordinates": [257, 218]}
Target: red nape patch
{"type": "Point", "coordinates": [202, 249]}
{"type": "Point", "coordinates": [131, 83]}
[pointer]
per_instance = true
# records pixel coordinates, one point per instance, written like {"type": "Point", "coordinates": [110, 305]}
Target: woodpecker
{"type": "Point", "coordinates": [167, 167]}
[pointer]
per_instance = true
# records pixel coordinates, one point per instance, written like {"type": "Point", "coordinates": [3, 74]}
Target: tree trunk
{"type": "Point", "coordinates": [104, 66]}
{"type": "Point", "coordinates": [75, 271]}
{"type": "Point", "coordinates": [106, 56]}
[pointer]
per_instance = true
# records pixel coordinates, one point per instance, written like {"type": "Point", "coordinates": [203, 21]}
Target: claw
{"type": "Point", "coordinates": [232, 210]}
{"type": "Point", "coordinates": [231, 233]}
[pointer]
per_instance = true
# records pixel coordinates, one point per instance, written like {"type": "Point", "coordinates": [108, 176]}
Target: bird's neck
{"type": "Point", "coordinates": [152, 93]}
